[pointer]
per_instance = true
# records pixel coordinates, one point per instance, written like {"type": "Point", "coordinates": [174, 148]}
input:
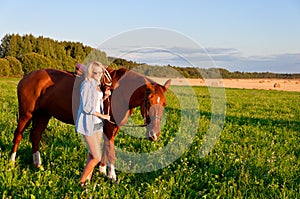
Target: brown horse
{"type": "Point", "coordinates": [47, 93]}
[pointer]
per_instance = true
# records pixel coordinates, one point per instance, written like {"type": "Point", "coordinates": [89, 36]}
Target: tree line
{"type": "Point", "coordinates": [193, 72]}
{"type": "Point", "coordinates": [21, 54]}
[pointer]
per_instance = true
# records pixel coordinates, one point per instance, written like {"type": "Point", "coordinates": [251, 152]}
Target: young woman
{"type": "Point", "coordinates": [90, 116]}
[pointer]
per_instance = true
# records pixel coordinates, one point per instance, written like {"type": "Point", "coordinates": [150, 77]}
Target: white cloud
{"type": "Point", "coordinates": [228, 58]}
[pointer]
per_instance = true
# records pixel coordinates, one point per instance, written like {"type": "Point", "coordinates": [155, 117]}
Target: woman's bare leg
{"type": "Point", "coordinates": [94, 157]}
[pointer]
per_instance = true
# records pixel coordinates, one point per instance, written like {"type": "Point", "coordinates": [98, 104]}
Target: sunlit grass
{"type": "Point", "coordinates": [256, 156]}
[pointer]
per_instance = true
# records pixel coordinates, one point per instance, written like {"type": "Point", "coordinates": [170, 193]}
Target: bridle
{"type": "Point", "coordinates": [147, 106]}
{"type": "Point", "coordinates": [145, 114]}
{"type": "Point", "coordinates": [108, 77]}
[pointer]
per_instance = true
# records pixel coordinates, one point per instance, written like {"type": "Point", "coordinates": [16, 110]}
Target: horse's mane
{"type": "Point", "coordinates": [122, 71]}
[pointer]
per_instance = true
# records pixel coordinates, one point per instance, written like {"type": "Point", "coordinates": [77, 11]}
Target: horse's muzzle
{"type": "Point", "coordinates": [152, 136]}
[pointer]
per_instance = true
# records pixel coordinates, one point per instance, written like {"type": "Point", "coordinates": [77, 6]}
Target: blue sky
{"type": "Point", "coordinates": [237, 35]}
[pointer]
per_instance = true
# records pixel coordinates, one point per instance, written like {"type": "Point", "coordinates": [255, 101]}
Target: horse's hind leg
{"type": "Point", "coordinates": [23, 122]}
{"type": "Point", "coordinates": [40, 121]}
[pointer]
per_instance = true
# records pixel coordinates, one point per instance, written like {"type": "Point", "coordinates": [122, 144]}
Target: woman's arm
{"type": "Point", "coordinates": [87, 97]}
{"type": "Point", "coordinates": [102, 116]}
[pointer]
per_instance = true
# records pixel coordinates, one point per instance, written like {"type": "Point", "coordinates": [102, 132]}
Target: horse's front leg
{"type": "Point", "coordinates": [111, 147]}
{"type": "Point", "coordinates": [108, 155]}
{"type": "Point", "coordinates": [104, 158]}
{"type": "Point", "coordinates": [111, 159]}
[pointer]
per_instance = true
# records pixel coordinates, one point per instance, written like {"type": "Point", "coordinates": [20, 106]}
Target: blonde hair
{"type": "Point", "coordinates": [90, 69]}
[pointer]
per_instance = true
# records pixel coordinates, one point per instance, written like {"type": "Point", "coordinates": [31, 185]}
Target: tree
{"type": "Point", "coordinates": [4, 68]}
{"type": "Point", "coordinates": [96, 55]}
{"type": "Point", "coordinates": [26, 45]}
{"type": "Point", "coordinates": [34, 61]}
{"type": "Point", "coordinates": [4, 47]}
{"type": "Point", "coordinates": [15, 46]}
{"type": "Point", "coordinates": [15, 66]}
{"type": "Point", "coordinates": [113, 66]}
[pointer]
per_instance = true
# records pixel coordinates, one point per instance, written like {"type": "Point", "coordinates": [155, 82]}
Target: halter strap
{"type": "Point", "coordinates": [108, 77]}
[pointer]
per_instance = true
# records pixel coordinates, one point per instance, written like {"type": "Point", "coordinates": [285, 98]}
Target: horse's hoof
{"type": "Point", "coordinates": [13, 157]}
{"type": "Point", "coordinates": [102, 170]}
{"type": "Point", "coordinates": [12, 163]}
{"type": "Point", "coordinates": [115, 181]}
{"type": "Point", "coordinates": [37, 166]}
{"type": "Point", "coordinates": [84, 184]}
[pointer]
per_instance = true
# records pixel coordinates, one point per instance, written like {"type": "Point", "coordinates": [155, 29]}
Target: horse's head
{"type": "Point", "coordinates": [152, 108]}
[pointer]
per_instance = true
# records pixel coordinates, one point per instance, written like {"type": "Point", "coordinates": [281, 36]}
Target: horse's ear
{"type": "Point", "coordinates": [167, 85]}
{"type": "Point", "coordinates": [149, 86]}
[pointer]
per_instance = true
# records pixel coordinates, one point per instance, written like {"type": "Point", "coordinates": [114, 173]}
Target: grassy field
{"type": "Point", "coordinates": [256, 155]}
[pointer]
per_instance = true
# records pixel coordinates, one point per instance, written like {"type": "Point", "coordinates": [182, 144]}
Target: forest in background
{"type": "Point", "coordinates": [21, 54]}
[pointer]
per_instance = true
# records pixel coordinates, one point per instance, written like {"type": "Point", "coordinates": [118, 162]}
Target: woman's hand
{"type": "Point", "coordinates": [107, 93]}
{"type": "Point", "coordinates": [106, 117]}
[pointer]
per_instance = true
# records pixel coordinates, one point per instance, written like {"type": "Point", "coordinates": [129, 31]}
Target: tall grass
{"type": "Point", "coordinates": [256, 156]}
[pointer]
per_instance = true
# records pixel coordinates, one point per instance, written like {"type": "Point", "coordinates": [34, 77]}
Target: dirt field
{"type": "Point", "coordinates": [265, 84]}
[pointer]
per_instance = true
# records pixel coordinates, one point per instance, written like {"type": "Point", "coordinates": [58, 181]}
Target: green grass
{"type": "Point", "coordinates": [256, 156]}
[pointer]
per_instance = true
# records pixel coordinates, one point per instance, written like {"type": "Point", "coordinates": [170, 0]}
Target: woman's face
{"type": "Point", "coordinates": [97, 73]}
